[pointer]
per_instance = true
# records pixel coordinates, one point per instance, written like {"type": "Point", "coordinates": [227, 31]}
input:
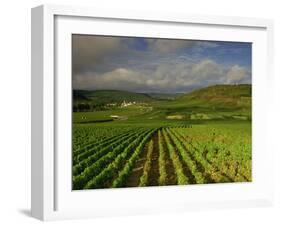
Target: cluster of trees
{"type": "Point", "coordinates": [89, 106]}
{"type": "Point", "coordinates": [82, 107]}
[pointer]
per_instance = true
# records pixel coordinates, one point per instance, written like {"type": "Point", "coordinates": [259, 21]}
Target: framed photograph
{"type": "Point", "coordinates": [137, 112]}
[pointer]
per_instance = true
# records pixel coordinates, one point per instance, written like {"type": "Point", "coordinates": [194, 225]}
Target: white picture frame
{"type": "Point", "coordinates": [52, 197]}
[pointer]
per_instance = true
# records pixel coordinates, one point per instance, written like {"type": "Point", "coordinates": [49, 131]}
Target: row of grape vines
{"type": "Point", "coordinates": [161, 156]}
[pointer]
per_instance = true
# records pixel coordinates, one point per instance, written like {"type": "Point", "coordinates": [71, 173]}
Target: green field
{"type": "Point", "coordinates": [123, 139]}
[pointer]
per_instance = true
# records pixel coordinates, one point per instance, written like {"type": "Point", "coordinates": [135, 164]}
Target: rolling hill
{"type": "Point", "coordinates": [109, 96]}
{"type": "Point", "coordinates": [213, 102]}
{"type": "Point", "coordinates": [220, 96]}
{"type": "Point", "coordinates": [220, 91]}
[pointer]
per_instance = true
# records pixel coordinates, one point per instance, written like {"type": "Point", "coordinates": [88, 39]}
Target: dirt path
{"type": "Point", "coordinates": [153, 174]}
{"type": "Point", "coordinates": [134, 178]}
{"type": "Point", "coordinates": [170, 170]}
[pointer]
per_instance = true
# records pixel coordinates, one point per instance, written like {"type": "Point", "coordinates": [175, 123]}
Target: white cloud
{"type": "Point", "coordinates": [237, 74]}
{"type": "Point", "coordinates": [119, 79]}
{"type": "Point", "coordinates": [174, 77]}
{"type": "Point", "coordinates": [208, 70]}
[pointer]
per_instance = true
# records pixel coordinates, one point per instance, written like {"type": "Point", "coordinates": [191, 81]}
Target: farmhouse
{"type": "Point", "coordinates": [126, 104]}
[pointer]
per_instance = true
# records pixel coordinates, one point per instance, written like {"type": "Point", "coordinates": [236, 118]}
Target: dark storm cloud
{"type": "Point", "coordinates": [88, 51]}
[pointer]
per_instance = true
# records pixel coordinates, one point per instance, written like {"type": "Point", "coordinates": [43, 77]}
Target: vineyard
{"type": "Point", "coordinates": [135, 156]}
{"type": "Point", "coordinates": [149, 112]}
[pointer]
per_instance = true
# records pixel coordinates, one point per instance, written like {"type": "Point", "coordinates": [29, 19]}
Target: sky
{"type": "Point", "coordinates": [157, 65]}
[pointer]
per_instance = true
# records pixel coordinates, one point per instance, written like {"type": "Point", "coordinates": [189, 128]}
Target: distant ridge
{"type": "Point", "coordinates": [109, 96]}
{"type": "Point", "coordinates": [220, 91]}
{"type": "Point", "coordinates": [224, 95]}
{"type": "Point", "coordinates": [230, 96]}
{"type": "Point", "coordinates": [164, 96]}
